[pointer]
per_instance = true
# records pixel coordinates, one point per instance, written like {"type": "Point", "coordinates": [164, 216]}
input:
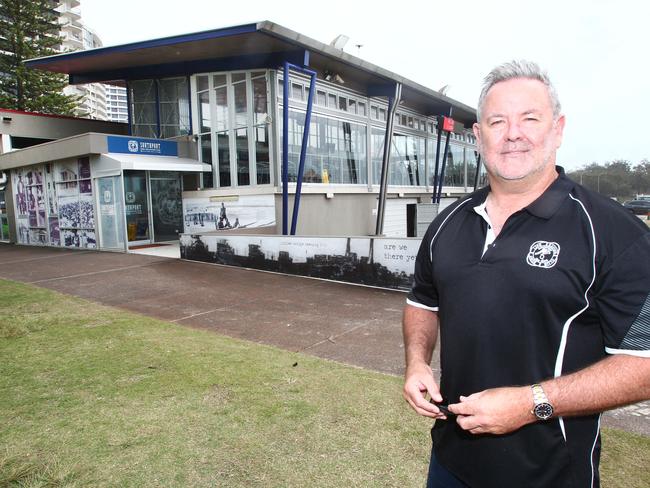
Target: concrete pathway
{"type": "Point", "coordinates": [351, 324]}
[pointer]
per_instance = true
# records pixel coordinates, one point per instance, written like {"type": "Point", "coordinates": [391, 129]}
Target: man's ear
{"type": "Point", "coordinates": [559, 130]}
{"type": "Point", "coordinates": [476, 128]}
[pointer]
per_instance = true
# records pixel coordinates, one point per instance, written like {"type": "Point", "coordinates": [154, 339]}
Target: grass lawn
{"type": "Point", "coordinates": [94, 396]}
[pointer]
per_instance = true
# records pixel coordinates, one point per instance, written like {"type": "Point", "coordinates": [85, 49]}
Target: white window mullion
{"type": "Point", "coordinates": [232, 133]}
{"type": "Point", "coordinates": [250, 128]}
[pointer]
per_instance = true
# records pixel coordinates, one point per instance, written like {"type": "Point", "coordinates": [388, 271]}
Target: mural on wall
{"type": "Point", "coordinates": [74, 199]}
{"type": "Point", "coordinates": [210, 214]}
{"type": "Point", "coordinates": [382, 262]}
{"type": "Point", "coordinates": [29, 201]}
{"type": "Point", "coordinates": [54, 204]}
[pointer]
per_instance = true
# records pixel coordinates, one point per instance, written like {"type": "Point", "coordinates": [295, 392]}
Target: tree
{"type": "Point", "coordinates": [617, 179]}
{"type": "Point", "coordinates": [30, 29]}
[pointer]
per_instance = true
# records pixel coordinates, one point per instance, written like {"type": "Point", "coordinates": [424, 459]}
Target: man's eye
{"type": "Point", "coordinates": [496, 123]}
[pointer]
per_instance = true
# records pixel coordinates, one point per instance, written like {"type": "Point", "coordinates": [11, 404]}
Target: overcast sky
{"type": "Point", "coordinates": [595, 51]}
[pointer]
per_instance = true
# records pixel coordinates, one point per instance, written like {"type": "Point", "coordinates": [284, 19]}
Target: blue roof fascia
{"type": "Point", "coordinates": [186, 68]}
{"type": "Point", "coordinates": [165, 41]}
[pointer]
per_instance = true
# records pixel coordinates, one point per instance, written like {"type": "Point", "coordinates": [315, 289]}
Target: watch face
{"type": "Point", "coordinates": [543, 411]}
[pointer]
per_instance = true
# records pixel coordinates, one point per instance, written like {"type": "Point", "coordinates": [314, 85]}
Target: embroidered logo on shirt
{"type": "Point", "coordinates": [543, 254]}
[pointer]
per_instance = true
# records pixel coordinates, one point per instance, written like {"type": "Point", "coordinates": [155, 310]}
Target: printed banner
{"type": "Point", "coordinates": [210, 214]}
{"type": "Point", "coordinates": [382, 262]}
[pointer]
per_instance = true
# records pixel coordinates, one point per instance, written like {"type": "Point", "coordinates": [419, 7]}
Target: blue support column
{"type": "Point", "coordinates": [303, 151]}
{"type": "Point", "coordinates": [285, 146]}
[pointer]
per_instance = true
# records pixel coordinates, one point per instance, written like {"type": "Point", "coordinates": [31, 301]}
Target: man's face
{"type": "Point", "coordinates": [517, 135]}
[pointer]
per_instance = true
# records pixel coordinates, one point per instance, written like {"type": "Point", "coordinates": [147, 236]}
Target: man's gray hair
{"type": "Point", "coordinates": [518, 69]}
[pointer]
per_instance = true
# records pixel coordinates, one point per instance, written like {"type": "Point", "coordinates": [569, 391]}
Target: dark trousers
{"type": "Point", "coordinates": [441, 477]}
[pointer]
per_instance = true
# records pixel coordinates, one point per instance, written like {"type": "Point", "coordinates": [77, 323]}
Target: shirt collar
{"type": "Point", "coordinates": [545, 206]}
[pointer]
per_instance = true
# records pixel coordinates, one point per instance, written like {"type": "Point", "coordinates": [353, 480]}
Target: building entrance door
{"type": "Point", "coordinates": [166, 205]}
{"type": "Point", "coordinates": [136, 200]}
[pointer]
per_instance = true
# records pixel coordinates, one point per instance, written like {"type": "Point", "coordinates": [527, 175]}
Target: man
{"type": "Point", "coordinates": [539, 290]}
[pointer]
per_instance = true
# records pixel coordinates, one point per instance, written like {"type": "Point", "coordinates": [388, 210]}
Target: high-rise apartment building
{"type": "Point", "coordinates": [75, 37]}
{"type": "Point", "coordinates": [116, 104]}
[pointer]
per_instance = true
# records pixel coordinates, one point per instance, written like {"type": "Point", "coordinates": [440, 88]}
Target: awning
{"type": "Point", "coordinates": [157, 163]}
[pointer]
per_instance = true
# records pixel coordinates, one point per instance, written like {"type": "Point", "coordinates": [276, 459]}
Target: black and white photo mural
{"type": "Point", "coordinates": [381, 262]}
{"type": "Point", "coordinates": [223, 213]}
{"type": "Point", "coordinates": [54, 204]}
{"type": "Point", "coordinates": [29, 199]}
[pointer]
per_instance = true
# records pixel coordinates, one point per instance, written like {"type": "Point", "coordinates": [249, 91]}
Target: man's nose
{"type": "Point", "coordinates": [513, 131]}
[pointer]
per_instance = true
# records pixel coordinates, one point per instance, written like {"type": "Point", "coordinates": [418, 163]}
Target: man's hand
{"type": "Point", "coordinates": [418, 382]}
{"type": "Point", "coordinates": [495, 411]}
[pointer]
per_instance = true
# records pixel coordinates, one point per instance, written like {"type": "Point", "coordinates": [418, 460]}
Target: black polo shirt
{"type": "Point", "coordinates": [565, 283]}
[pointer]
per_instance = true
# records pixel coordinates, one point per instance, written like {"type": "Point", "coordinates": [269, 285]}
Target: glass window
{"type": "Point", "coordinates": [297, 91]}
{"type": "Point", "coordinates": [259, 101]}
{"type": "Point", "coordinates": [206, 149]}
{"type": "Point", "coordinates": [471, 157]}
{"type": "Point", "coordinates": [361, 109]}
{"type": "Point", "coordinates": [221, 98]}
{"type": "Point", "coordinates": [241, 141]}
{"type": "Point", "coordinates": [219, 80]}
{"type": "Point", "coordinates": [321, 98]}
{"type": "Point", "coordinates": [343, 103]}
{"type": "Point", "coordinates": [374, 112]}
{"type": "Point", "coordinates": [204, 112]}
{"type": "Point", "coordinates": [223, 149]}
{"type": "Point", "coordinates": [262, 155]}
{"type": "Point", "coordinates": [407, 159]}
{"type": "Point", "coordinates": [352, 106]}
{"type": "Point", "coordinates": [331, 100]}
{"type": "Point", "coordinates": [336, 152]}
{"type": "Point", "coordinates": [143, 102]}
{"type": "Point", "coordinates": [455, 167]}
{"type": "Point", "coordinates": [174, 107]}
{"type": "Point", "coordinates": [241, 106]}
{"type": "Point", "coordinates": [236, 119]}
{"type": "Point", "coordinates": [382, 114]}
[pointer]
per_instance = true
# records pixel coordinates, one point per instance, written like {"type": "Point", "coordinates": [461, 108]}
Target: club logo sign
{"type": "Point", "coordinates": [543, 254]}
{"type": "Point", "coordinates": [133, 146]}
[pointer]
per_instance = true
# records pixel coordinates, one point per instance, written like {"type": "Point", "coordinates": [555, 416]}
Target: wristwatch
{"type": "Point", "coordinates": [543, 410]}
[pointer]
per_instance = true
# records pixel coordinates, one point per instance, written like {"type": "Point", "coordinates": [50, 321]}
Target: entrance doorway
{"type": "Point", "coordinates": [166, 205]}
{"type": "Point", "coordinates": [154, 209]}
{"type": "Point", "coordinates": [136, 199]}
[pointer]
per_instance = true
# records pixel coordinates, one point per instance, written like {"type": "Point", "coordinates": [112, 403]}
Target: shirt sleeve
{"type": "Point", "coordinates": [623, 300]}
{"type": "Point", "coordinates": [423, 294]}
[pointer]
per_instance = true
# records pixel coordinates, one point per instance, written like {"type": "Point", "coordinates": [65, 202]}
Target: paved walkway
{"type": "Point", "coordinates": [352, 324]}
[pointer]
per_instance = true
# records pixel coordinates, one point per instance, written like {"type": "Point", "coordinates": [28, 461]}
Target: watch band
{"type": "Point", "coordinates": [542, 408]}
{"type": "Point", "coordinates": [538, 394]}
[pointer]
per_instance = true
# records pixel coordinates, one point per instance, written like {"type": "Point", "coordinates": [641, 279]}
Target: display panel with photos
{"type": "Point", "coordinates": [29, 199]}
{"type": "Point", "coordinates": [54, 204]}
{"type": "Point", "coordinates": [74, 197]}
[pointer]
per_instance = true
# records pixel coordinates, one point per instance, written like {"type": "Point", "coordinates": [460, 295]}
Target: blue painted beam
{"type": "Point", "coordinates": [255, 61]}
{"type": "Point", "coordinates": [135, 46]}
